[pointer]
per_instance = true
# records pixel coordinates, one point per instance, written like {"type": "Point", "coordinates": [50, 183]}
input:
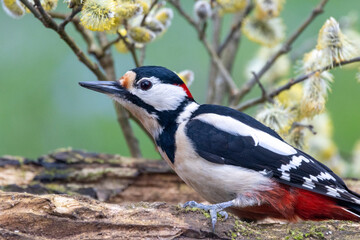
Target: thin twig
{"type": "Point", "coordinates": [213, 55]}
{"type": "Point", "coordinates": [302, 125]}
{"type": "Point", "coordinates": [142, 55]}
{"type": "Point", "coordinates": [123, 120]}
{"type": "Point", "coordinates": [48, 22]}
{"type": "Point", "coordinates": [213, 70]}
{"type": "Point", "coordinates": [107, 62]}
{"type": "Point", "coordinates": [87, 35]}
{"type": "Point", "coordinates": [131, 48]}
{"type": "Point", "coordinates": [228, 58]}
{"type": "Point", "coordinates": [105, 59]}
{"type": "Point", "coordinates": [234, 29]}
{"type": "Point", "coordinates": [203, 30]}
{"type": "Point", "coordinates": [146, 15]}
{"type": "Point", "coordinates": [286, 47]}
{"type": "Point", "coordinates": [263, 91]}
{"type": "Point", "coordinates": [70, 17]}
{"type": "Point", "coordinates": [289, 84]}
{"type": "Point", "coordinates": [32, 9]}
{"type": "Point", "coordinates": [110, 43]}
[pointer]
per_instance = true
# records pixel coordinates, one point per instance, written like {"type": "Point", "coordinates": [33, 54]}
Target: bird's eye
{"type": "Point", "coordinates": [145, 85]}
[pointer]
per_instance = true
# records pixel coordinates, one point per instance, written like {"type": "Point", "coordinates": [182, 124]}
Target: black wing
{"type": "Point", "coordinates": [299, 169]}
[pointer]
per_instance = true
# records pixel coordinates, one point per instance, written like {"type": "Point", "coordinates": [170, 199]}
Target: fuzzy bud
{"type": "Point", "coordinates": [265, 9]}
{"type": "Point", "coordinates": [154, 25]}
{"type": "Point", "coordinates": [165, 16]}
{"type": "Point", "coordinates": [334, 44]}
{"type": "Point", "coordinates": [127, 10]}
{"type": "Point", "coordinates": [13, 8]}
{"type": "Point", "coordinates": [141, 35]}
{"type": "Point", "coordinates": [315, 94]}
{"type": "Point", "coordinates": [268, 33]}
{"type": "Point", "coordinates": [276, 117]}
{"type": "Point", "coordinates": [48, 5]}
{"type": "Point", "coordinates": [231, 6]}
{"type": "Point", "coordinates": [98, 15]}
{"type": "Point", "coordinates": [121, 46]}
{"type": "Point", "coordinates": [202, 10]}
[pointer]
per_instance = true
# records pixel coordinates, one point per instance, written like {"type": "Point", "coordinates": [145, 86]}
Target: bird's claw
{"type": "Point", "coordinates": [213, 210]}
{"type": "Point", "coordinates": [224, 214]}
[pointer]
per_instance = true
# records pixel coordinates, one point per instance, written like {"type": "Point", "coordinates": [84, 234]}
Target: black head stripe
{"type": "Point", "coordinates": [140, 103]}
{"type": "Point", "coordinates": [164, 74]}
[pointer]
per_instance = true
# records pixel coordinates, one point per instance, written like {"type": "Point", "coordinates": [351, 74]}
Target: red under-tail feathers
{"type": "Point", "coordinates": [293, 204]}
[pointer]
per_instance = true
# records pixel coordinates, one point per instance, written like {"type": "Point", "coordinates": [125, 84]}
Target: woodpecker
{"type": "Point", "coordinates": [232, 160]}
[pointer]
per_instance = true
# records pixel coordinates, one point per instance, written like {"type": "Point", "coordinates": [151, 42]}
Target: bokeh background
{"type": "Point", "coordinates": [43, 108]}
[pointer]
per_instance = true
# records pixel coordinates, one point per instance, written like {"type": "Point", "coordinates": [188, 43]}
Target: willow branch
{"type": "Point", "coordinates": [228, 58]}
{"type": "Point", "coordinates": [104, 58]}
{"type": "Point", "coordinates": [286, 47]}
{"type": "Point", "coordinates": [131, 48]}
{"type": "Point", "coordinates": [70, 17]}
{"type": "Point", "coordinates": [262, 88]}
{"type": "Point", "coordinates": [213, 70]}
{"type": "Point", "coordinates": [110, 43]}
{"type": "Point", "coordinates": [146, 15]}
{"type": "Point", "coordinates": [213, 55]}
{"type": "Point", "coordinates": [302, 125]}
{"type": "Point", "coordinates": [290, 83]}
{"type": "Point", "coordinates": [87, 35]}
{"type": "Point", "coordinates": [234, 29]}
{"type": "Point", "coordinates": [32, 10]}
{"type": "Point", "coordinates": [142, 55]}
{"type": "Point", "coordinates": [107, 62]}
{"type": "Point", "coordinates": [48, 22]}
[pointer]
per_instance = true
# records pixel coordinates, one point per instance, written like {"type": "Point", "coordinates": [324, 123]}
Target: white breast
{"type": "Point", "coordinates": [215, 182]}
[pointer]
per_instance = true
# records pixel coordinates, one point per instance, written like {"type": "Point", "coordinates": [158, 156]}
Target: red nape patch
{"type": "Point", "coordinates": [313, 206]}
{"type": "Point", "coordinates": [188, 93]}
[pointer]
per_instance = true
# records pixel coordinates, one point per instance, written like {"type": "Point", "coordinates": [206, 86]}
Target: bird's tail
{"type": "Point", "coordinates": [353, 208]}
{"type": "Point", "coordinates": [313, 206]}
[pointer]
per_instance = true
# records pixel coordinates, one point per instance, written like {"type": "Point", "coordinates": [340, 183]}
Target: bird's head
{"type": "Point", "coordinates": [148, 93]}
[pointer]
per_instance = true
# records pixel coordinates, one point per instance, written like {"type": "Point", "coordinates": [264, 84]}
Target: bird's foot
{"type": "Point", "coordinates": [213, 209]}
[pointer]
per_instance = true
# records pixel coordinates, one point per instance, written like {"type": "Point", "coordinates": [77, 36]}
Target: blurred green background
{"type": "Point", "coordinates": [43, 108]}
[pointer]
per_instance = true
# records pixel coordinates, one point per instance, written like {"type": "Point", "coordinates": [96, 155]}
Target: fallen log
{"type": "Point", "coordinates": [64, 189]}
{"type": "Point", "coordinates": [28, 216]}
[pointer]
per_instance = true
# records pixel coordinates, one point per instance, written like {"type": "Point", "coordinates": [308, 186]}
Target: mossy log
{"type": "Point", "coordinates": [54, 206]}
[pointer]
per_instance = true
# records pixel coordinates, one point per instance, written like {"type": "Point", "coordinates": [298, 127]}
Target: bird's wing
{"type": "Point", "coordinates": [226, 139]}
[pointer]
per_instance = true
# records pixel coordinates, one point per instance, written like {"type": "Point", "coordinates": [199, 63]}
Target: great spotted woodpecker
{"type": "Point", "coordinates": [229, 158]}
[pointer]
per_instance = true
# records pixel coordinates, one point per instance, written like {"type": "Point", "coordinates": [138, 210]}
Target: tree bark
{"type": "Point", "coordinates": [124, 183]}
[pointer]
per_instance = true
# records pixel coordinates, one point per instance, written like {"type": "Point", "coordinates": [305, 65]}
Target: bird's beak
{"type": "Point", "coordinates": [107, 87]}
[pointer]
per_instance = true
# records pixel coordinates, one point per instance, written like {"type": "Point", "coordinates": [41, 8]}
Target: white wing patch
{"type": "Point", "coordinates": [294, 163]}
{"type": "Point", "coordinates": [357, 201]}
{"type": "Point", "coordinates": [309, 181]}
{"type": "Point", "coordinates": [235, 127]}
{"type": "Point", "coordinates": [332, 191]}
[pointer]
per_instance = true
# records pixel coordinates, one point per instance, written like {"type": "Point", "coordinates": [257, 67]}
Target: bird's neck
{"type": "Point", "coordinates": [170, 121]}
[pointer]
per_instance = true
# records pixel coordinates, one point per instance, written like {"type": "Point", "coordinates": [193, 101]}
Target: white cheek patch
{"type": "Point", "coordinates": [233, 126]}
{"type": "Point", "coordinates": [162, 96]}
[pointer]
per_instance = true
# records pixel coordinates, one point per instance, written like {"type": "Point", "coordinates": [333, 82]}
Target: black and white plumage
{"type": "Point", "coordinates": [216, 139]}
{"type": "Point", "coordinates": [227, 156]}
